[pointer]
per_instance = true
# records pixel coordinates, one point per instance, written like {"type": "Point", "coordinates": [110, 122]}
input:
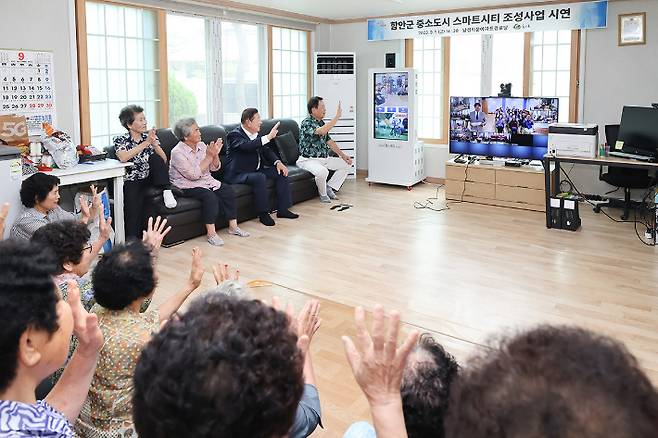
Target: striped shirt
{"type": "Point", "coordinates": [31, 220]}
{"type": "Point", "coordinates": [19, 420]}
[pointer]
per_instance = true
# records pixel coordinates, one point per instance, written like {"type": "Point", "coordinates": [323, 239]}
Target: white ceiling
{"type": "Point", "coordinates": [346, 9]}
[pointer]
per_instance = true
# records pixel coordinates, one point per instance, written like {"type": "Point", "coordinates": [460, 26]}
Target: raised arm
{"type": "Point", "coordinates": [378, 368]}
{"type": "Point", "coordinates": [71, 390]}
{"type": "Point", "coordinates": [196, 274]}
{"type": "Point", "coordinates": [237, 141]}
{"type": "Point", "coordinates": [124, 154]}
{"type": "Point", "coordinates": [323, 130]}
{"type": "Point", "coordinates": [189, 168]}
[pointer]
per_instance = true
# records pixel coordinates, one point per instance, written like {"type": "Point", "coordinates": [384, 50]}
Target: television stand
{"type": "Point", "coordinates": [515, 187]}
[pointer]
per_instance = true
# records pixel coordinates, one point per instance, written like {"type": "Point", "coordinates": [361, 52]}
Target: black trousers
{"type": "Point", "coordinates": [134, 191]}
{"type": "Point", "coordinates": [214, 201]}
{"type": "Point", "coordinates": [257, 181]}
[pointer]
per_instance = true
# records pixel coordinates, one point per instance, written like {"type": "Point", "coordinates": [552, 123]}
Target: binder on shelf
{"type": "Point", "coordinates": [564, 214]}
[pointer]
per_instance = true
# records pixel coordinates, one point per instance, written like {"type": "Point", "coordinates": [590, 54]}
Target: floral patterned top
{"type": "Point", "coordinates": [140, 168]}
{"type": "Point", "coordinates": [311, 144]}
{"type": "Point", "coordinates": [107, 411]}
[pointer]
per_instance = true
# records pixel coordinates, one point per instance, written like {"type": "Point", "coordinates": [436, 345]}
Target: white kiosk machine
{"type": "Point", "coordinates": [395, 156]}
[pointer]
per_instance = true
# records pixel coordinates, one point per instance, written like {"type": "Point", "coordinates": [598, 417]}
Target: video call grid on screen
{"type": "Point", "coordinates": [508, 127]}
{"type": "Point", "coordinates": [391, 118]}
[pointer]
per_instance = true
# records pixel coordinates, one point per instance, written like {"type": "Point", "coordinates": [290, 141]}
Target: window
{"type": "Point", "coordinates": [550, 67]}
{"type": "Point", "coordinates": [507, 62]}
{"type": "Point", "coordinates": [290, 77]}
{"type": "Point", "coordinates": [428, 62]}
{"type": "Point", "coordinates": [188, 74]}
{"type": "Point", "coordinates": [243, 70]}
{"type": "Point", "coordinates": [123, 67]}
{"type": "Point", "coordinates": [466, 65]}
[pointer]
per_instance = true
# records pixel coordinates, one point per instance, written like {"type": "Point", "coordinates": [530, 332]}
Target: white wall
{"type": "Point", "coordinates": [613, 76]}
{"type": "Point", "coordinates": [49, 26]}
{"type": "Point", "coordinates": [353, 37]}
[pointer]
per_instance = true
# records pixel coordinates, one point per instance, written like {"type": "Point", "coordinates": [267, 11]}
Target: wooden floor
{"type": "Point", "coordinates": [463, 274]}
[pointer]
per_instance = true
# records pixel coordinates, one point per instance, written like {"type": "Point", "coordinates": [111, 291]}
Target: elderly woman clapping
{"type": "Point", "coordinates": [189, 170]}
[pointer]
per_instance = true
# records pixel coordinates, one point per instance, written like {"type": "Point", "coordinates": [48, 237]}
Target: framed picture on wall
{"type": "Point", "coordinates": [632, 29]}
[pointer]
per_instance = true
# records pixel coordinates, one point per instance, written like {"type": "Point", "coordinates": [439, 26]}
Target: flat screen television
{"type": "Point", "coordinates": [506, 127]}
{"type": "Point", "coordinates": [391, 106]}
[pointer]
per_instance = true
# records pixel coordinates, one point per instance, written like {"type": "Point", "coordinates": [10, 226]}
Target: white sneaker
{"type": "Point", "coordinates": [239, 232]}
{"type": "Point", "coordinates": [169, 200]}
{"type": "Point", "coordinates": [215, 240]}
{"type": "Point", "coordinates": [325, 199]}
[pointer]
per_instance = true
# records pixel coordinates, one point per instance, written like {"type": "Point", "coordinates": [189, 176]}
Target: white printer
{"type": "Point", "coordinates": [573, 139]}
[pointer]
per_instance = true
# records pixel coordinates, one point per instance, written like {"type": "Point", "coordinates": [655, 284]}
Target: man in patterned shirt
{"type": "Point", "coordinates": [314, 146]}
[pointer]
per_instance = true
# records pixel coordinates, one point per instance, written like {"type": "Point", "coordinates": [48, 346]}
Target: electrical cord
{"type": "Point", "coordinates": [634, 221]}
{"type": "Point", "coordinates": [461, 197]}
{"type": "Point", "coordinates": [429, 202]}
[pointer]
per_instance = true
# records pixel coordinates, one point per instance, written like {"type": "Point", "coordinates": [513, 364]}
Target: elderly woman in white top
{"type": "Point", "coordinates": [189, 170]}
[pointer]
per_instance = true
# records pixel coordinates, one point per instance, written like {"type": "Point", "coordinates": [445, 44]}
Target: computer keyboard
{"type": "Point", "coordinates": [633, 156]}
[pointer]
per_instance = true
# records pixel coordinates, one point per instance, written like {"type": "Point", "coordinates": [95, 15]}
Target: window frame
{"type": "Point", "coordinates": [83, 65]}
{"type": "Point", "coordinates": [162, 66]}
{"type": "Point", "coordinates": [270, 66]}
{"type": "Point", "coordinates": [527, 67]}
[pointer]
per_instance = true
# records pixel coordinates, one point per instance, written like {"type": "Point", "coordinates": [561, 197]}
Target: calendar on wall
{"type": "Point", "coordinates": [27, 87]}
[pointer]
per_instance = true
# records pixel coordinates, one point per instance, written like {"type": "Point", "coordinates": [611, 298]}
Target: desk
{"type": "Point", "coordinates": [98, 170]}
{"type": "Point", "coordinates": [598, 161]}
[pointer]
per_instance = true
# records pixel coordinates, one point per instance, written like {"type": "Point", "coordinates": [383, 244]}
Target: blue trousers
{"type": "Point", "coordinates": [257, 180]}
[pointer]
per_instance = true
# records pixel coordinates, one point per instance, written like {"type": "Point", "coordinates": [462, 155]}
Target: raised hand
{"type": "Point", "coordinates": [85, 213]}
{"type": "Point", "coordinates": [223, 273]}
{"type": "Point", "coordinates": [308, 322]}
{"type": "Point", "coordinates": [104, 227]}
{"type": "Point", "coordinates": [210, 149]}
{"type": "Point", "coordinates": [152, 138]}
{"type": "Point", "coordinates": [196, 270]}
{"type": "Point", "coordinates": [154, 233]}
{"type": "Point", "coordinates": [274, 131]}
{"type": "Point", "coordinates": [85, 325]}
{"type": "Point", "coordinates": [379, 364]}
{"type": "Point", "coordinates": [339, 111]}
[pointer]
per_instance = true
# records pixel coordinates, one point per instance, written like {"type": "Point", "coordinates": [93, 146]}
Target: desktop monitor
{"type": "Point", "coordinates": [506, 127]}
{"type": "Point", "coordinates": [639, 130]}
{"type": "Point", "coordinates": [391, 106]}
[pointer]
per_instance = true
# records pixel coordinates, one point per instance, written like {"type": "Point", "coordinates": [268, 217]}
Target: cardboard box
{"type": "Point", "coordinates": [13, 130]}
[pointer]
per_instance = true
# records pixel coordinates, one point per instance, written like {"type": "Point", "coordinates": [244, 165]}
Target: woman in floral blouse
{"type": "Point", "coordinates": [141, 147]}
{"type": "Point", "coordinates": [123, 279]}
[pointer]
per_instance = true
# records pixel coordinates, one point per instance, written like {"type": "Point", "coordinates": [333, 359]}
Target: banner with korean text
{"type": "Point", "coordinates": [567, 16]}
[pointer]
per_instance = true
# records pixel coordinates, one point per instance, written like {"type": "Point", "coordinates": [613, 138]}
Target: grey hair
{"type": "Point", "coordinates": [183, 128]}
{"type": "Point", "coordinates": [230, 288]}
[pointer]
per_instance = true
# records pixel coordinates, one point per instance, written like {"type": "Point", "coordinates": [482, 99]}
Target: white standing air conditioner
{"type": "Point", "coordinates": [335, 81]}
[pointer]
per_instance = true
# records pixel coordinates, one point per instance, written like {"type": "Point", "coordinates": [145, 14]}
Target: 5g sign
{"type": "Point", "coordinates": [13, 129]}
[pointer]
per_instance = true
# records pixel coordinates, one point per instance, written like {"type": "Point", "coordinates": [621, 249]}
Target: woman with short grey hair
{"type": "Point", "coordinates": [189, 170]}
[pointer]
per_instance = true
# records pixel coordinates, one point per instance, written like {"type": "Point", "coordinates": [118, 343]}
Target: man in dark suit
{"type": "Point", "coordinates": [247, 155]}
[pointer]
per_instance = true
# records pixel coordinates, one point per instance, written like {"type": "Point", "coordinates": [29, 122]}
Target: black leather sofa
{"type": "Point", "coordinates": [185, 219]}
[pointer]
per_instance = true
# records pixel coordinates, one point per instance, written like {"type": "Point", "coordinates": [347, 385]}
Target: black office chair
{"type": "Point", "coordinates": [623, 177]}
